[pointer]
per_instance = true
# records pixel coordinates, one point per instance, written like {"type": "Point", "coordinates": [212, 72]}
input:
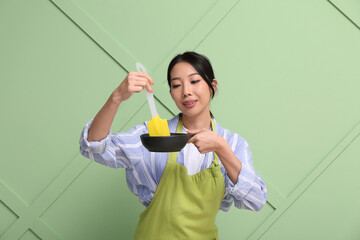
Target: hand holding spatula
{"type": "Point", "coordinates": [156, 126]}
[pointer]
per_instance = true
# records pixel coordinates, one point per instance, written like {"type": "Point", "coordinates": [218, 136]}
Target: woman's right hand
{"type": "Point", "coordinates": [134, 82]}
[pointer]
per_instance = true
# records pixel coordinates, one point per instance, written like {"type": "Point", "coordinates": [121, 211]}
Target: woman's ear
{"type": "Point", "coordinates": [214, 84]}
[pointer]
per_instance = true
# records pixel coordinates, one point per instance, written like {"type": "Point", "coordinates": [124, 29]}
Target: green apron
{"type": "Point", "coordinates": [183, 206]}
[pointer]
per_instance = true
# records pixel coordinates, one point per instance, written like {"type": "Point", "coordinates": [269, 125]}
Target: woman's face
{"type": "Point", "coordinates": [190, 91]}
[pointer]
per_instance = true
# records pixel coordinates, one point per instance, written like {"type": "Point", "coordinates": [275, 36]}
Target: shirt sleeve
{"type": "Point", "coordinates": [116, 150]}
{"type": "Point", "coordinates": [249, 192]}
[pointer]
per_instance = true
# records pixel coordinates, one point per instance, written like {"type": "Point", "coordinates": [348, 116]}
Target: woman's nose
{"type": "Point", "coordinates": [186, 90]}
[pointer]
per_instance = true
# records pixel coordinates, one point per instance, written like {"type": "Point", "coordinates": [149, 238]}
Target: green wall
{"type": "Point", "coordinates": [289, 83]}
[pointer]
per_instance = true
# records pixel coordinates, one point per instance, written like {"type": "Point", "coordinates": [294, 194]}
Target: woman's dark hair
{"type": "Point", "coordinates": [199, 62]}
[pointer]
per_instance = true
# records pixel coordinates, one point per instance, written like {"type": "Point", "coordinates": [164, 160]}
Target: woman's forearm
{"type": "Point", "coordinates": [101, 124]}
{"type": "Point", "coordinates": [230, 162]}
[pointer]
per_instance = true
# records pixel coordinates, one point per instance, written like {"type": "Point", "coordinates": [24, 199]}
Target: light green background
{"type": "Point", "coordinates": [289, 83]}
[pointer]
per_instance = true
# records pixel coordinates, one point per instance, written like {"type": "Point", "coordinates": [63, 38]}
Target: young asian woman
{"type": "Point", "coordinates": [182, 191]}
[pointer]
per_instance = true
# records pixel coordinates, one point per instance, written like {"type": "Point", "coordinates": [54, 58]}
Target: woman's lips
{"type": "Point", "coordinates": [190, 103]}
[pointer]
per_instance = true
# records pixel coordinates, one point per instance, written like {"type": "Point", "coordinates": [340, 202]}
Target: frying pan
{"type": "Point", "coordinates": [173, 143]}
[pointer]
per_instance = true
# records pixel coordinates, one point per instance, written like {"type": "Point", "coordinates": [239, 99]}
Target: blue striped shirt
{"type": "Point", "coordinates": [144, 169]}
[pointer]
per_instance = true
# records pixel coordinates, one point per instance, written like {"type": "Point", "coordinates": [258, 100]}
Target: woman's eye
{"type": "Point", "coordinates": [175, 85]}
{"type": "Point", "coordinates": [195, 81]}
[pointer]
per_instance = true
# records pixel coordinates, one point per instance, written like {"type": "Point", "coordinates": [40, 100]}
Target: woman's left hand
{"type": "Point", "coordinates": [209, 141]}
{"type": "Point", "coordinates": [205, 140]}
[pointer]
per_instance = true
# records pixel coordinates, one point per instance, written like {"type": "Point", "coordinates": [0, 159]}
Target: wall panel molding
{"type": "Point", "coordinates": [104, 39]}
{"type": "Point", "coordinates": [44, 231]}
{"type": "Point", "coordinates": [310, 179]}
{"type": "Point", "coordinates": [12, 200]}
{"type": "Point", "coordinates": [8, 218]}
{"type": "Point", "coordinates": [125, 59]}
{"type": "Point", "coordinates": [31, 214]}
{"type": "Point", "coordinates": [346, 8]}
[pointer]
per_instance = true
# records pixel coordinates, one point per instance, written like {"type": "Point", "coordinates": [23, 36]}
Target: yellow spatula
{"type": "Point", "coordinates": [156, 126]}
